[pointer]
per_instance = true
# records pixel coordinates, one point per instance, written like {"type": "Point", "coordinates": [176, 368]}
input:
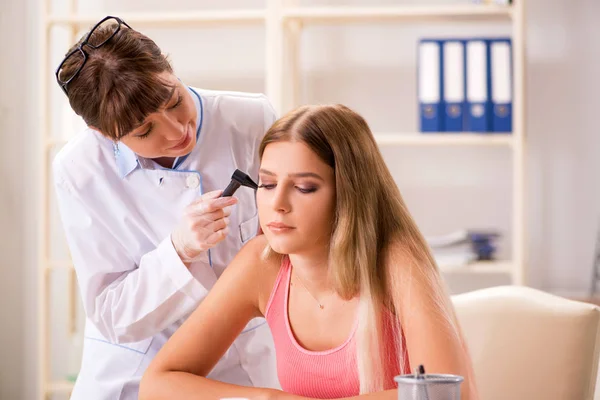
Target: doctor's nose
{"type": "Point", "coordinates": [174, 130]}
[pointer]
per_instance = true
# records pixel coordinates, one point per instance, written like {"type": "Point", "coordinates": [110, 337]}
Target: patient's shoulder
{"type": "Point", "coordinates": [257, 250]}
{"type": "Point", "coordinates": [264, 265]}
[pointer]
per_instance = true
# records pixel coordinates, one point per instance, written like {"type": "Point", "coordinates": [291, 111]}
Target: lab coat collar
{"type": "Point", "coordinates": [127, 161]}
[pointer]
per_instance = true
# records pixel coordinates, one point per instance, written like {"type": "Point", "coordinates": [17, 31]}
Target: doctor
{"type": "Point", "coordinates": [138, 197]}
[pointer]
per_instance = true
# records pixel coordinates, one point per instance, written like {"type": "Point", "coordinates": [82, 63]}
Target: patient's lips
{"type": "Point", "coordinates": [279, 227]}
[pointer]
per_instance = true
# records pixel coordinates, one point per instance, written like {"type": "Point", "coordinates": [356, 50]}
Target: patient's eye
{"type": "Point", "coordinates": [307, 189]}
{"type": "Point", "coordinates": [268, 186]}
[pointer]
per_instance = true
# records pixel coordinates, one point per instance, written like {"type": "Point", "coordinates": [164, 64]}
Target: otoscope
{"type": "Point", "coordinates": [238, 179]}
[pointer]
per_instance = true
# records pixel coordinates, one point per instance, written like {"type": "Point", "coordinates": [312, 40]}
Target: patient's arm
{"type": "Point", "coordinates": [180, 368]}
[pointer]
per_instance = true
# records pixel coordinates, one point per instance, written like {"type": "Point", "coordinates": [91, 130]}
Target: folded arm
{"type": "Point", "coordinates": [180, 368]}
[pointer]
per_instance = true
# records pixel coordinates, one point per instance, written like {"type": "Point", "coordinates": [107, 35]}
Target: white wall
{"type": "Point", "coordinates": [564, 146]}
{"type": "Point", "coordinates": [369, 68]}
{"type": "Point", "coordinates": [19, 189]}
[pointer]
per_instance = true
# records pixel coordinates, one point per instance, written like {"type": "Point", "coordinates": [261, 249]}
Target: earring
{"type": "Point", "coordinates": [116, 148]}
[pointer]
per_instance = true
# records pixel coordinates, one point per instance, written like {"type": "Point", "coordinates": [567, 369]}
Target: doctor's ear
{"type": "Point", "coordinates": [116, 142]}
{"type": "Point", "coordinates": [96, 129]}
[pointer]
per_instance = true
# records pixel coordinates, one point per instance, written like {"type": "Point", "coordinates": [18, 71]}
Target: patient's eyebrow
{"type": "Point", "coordinates": [296, 175]}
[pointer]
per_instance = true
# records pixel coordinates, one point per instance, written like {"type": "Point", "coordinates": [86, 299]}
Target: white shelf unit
{"type": "Point", "coordinates": [443, 139]}
{"type": "Point", "coordinates": [283, 21]}
{"type": "Point", "coordinates": [397, 13]}
{"type": "Point", "coordinates": [169, 19]}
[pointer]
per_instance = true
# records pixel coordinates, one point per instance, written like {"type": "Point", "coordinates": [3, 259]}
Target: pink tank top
{"type": "Point", "coordinates": [325, 374]}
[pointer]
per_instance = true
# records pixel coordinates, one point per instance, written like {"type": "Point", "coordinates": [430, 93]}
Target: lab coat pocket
{"type": "Point", "coordinates": [105, 367]}
{"type": "Point", "coordinates": [248, 229]}
{"type": "Point", "coordinates": [140, 347]}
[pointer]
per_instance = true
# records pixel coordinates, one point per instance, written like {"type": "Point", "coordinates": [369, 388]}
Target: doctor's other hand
{"type": "Point", "coordinates": [205, 223]}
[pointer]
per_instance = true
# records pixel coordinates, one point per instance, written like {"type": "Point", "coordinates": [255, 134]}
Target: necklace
{"type": "Point", "coordinates": [321, 306]}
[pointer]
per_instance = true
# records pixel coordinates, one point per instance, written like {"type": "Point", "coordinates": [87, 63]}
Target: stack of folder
{"type": "Point", "coordinates": [462, 247]}
{"type": "Point", "coordinates": [465, 85]}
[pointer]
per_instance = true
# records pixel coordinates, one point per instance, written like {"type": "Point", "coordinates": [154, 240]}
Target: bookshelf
{"type": "Point", "coordinates": [283, 21]}
{"type": "Point", "coordinates": [407, 13]}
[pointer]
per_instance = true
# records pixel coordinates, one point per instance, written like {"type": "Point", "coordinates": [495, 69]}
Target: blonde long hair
{"type": "Point", "coordinates": [370, 216]}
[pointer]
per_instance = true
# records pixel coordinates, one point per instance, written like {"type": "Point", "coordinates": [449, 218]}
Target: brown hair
{"type": "Point", "coordinates": [370, 218]}
{"type": "Point", "coordinates": [119, 86]}
{"type": "Point", "coordinates": [369, 208]}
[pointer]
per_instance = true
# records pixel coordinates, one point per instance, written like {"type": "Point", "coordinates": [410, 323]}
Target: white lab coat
{"type": "Point", "coordinates": [118, 211]}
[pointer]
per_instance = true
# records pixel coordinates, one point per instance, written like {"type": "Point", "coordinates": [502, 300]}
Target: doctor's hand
{"type": "Point", "coordinates": [205, 223]}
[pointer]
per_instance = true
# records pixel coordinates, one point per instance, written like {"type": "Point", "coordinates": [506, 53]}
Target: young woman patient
{"type": "Point", "coordinates": [342, 275]}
